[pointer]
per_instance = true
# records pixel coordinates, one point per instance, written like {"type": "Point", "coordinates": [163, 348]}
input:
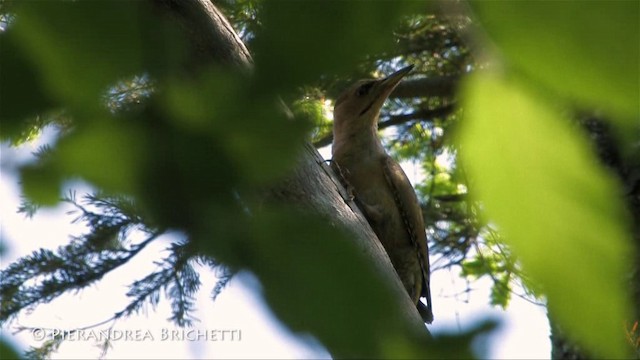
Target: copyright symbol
{"type": "Point", "coordinates": [38, 334]}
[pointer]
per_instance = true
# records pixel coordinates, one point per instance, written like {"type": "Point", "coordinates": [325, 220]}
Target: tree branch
{"type": "Point", "coordinates": [422, 114]}
{"type": "Point", "coordinates": [442, 86]}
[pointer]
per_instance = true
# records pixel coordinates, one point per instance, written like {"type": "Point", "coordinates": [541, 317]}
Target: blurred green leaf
{"type": "Point", "coordinates": [41, 183]}
{"type": "Point", "coordinates": [106, 153]}
{"type": "Point", "coordinates": [476, 267]}
{"type": "Point", "coordinates": [557, 208]}
{"type": "Point", "coordinates": [7, 350]}
{"type": "Point", "coordinates": [185, 173]}
{"type": "Point", "coordinates": [305, 39]}
{"type": "Point", "coordinates": [248, 126]}
{"type": "Point", "coordinates": [447, 345]}
{"type": "Point", "coordinates": [22, 94]}
{"type": "Point", "coordinates": [586, 50]}
{"type": "Point", "coordinates": [83, 47]}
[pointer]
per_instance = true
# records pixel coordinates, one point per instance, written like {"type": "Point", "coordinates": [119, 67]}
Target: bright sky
{"type": "Point", "coordinates": [239, 310]}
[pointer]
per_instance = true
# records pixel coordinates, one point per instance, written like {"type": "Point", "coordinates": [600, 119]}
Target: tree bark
{"type": "Point", "coordinates": [312, 184]}
{"type": "Point", "coordinates": [213, 39]}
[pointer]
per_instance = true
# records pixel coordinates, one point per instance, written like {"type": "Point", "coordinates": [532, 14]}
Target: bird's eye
{"type": "Point", "coordinates": [364, 88]}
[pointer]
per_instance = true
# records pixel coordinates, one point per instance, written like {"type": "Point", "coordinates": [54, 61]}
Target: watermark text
{"type": "Point", "coordinates": [137, 335]}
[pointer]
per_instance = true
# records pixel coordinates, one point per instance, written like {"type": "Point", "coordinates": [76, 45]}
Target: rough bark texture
{"type": "Point", "coordinates": [213, 39]}
{"type": "Point", "coordinates": [312, 184]}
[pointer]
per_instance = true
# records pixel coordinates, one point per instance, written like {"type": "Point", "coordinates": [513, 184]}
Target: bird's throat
{"type": "Point", "coordinates": [367, 108]}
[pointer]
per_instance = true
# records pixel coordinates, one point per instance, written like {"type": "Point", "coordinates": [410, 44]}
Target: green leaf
{"type": "Point", "coordinates": [83, 47]}
{"type": "Point", "coordinates": [250, 127]}
{"type": "Point", "coordinates": [41, 183]}
{"type": "Point", "coordinates": [557, 208]}
{"type": "Point", "coordinates": [22, 94]}
{"type": "Point", "coordinates": [476, 267]}
{"type": "Point", "coordinates": [310, 110]}
{"type": "Point", "coordinates": [586, 50]}
{"type": "Point", "coordinates": [501, 291]}
{"type": "Point", "coordinates": [106, 154]}
{"type": "Point", "coordinates": [8, 350]}
{"type": "Point", "coordinates": [304, 39]}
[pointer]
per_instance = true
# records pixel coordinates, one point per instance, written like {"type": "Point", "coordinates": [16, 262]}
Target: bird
{"type": "Point", "coordinates": [379, 186]}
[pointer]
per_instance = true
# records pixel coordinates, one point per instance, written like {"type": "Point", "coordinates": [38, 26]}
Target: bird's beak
{"type": "Point", "coordinates": [390, 82]}
{"type": "Point", "coordinates": [381, 90]}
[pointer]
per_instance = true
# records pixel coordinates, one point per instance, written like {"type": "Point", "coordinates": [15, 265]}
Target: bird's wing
{"type": "Point", "coordinates": [409, 207]}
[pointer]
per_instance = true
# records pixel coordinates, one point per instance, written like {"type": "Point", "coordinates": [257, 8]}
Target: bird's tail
{"type": "Point", "coordinates": [425, 312]}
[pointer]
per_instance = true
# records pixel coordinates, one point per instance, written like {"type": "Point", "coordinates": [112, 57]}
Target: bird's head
{"type": "Point", "coordinates": [358, 106]}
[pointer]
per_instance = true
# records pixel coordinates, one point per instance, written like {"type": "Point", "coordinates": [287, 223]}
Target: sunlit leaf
{"type": "Point", "coordinates": [586, 50]}
{"type": "Point", "coordinates": [310, 110]}
{"type": "Point", "coordinates": [501, 291]}
{"type": "Point", "coordinates": [556, 207]}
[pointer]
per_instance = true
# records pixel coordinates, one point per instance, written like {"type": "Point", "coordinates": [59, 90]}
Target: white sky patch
{"type": "Point", "coordinates": [445, 160]}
